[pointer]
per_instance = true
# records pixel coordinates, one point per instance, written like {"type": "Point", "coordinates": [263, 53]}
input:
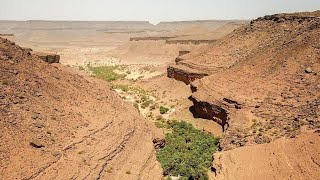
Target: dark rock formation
{"type": "Point", "coordinates": [210, 111]}
{"type": "Point", "coordinates": [191, 41]}
{"type": "Point", "coordinates": [159, 143]}
{"type": "Point", "coordinates": [48, 57]}
{"type": "Point", "coordinates": [183, 74]}
{"type": "Point", "coordinates": [181, 53]}
{"type": "Point", "coordinates": [193, 88]}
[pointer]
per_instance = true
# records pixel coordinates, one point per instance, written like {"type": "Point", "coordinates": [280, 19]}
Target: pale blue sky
{"type": "Point", "coordinates": [149, 10]}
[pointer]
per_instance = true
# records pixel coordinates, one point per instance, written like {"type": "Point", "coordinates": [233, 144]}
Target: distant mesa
{"type": "Point", "coordinates": [151, 38]}
{"type": "Point", "coordinates": [6, 34]}
{"type": "Point", "coordinates": [170, 40]}
{"type": "Point", "coordinates": [121, 32]}
{"type": "Point", "coordinates": [190, 41]}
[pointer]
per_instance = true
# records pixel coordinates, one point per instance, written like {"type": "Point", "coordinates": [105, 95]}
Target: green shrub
{"type": "Point", "coordinates": [159, 118]}
{"type": "Point", "coordinates": [144, 98]}
{"type": "Point", "coordinates": [188, 152]}
{"type": "Point", "coordinates": [106, 73]}
{"type": "Point", "coordinates": [163, 110]}
{"type": "Point", "coordinates": [146, 104]}
{"type": "Point", "coordinates": [160, 124]}
{"type": "Point", "coordinates": [123, 87]}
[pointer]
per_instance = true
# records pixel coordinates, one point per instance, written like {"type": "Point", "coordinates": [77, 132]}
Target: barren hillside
{"type": "Point", "coordinates": [56, 124]}
{"type": "Point", "coordinates": [284, 158]}
{"type": "Point", "coordinates": [260, 83]}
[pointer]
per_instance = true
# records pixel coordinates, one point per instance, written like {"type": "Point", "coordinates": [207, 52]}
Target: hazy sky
{"type": "Point", "coordinates": [149, 10]}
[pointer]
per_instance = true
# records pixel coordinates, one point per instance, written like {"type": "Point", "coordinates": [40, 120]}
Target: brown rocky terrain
{"type": "Point", "coordinates": [261, 84]}
{"type": "Point", "coordinates": [56, 124]}
{"type": "Point", "coordinates": [296, 158]}
{"type": "Point", "coordinates": [253, 84]}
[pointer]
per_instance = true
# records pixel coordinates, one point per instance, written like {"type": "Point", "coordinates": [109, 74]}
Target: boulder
{"type": "Point", "coordinates": [37, 143]}
{"type": "Point", "coordinates": [308, 70]}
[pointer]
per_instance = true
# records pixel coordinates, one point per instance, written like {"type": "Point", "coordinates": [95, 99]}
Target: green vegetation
{"type": "Point", "coordinates": [123, 87]}
{"type": "Point", "coordinates": [106, 73]}
{"type": "Point", "coordinates": [146, 103]}
{"type": "Point", "coordinates": [136, 90]}
{"type": "Point", "coordinates": [188, 151]}
{"type": "Point", "coordinates": [160, 122]}
{"type": "Point", "coordinates": [144, 98]}
{"type": "Point", "coordinates": [163, 110]}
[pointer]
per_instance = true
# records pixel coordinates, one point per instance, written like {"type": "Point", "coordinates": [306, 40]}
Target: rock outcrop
{"type": "Point", "coordinates": [205, 110]}
{"type": "Point", "coordinates": [183, 74]}
{"type": "Point", "coordinates": [262, 83]}
{"type": "Point", "coordinates": [262, 79]}
{"type": "Point", "coordinates": [48, 57]}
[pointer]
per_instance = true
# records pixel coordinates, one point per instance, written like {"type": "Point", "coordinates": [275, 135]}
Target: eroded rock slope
{"type": "Point", "coordinates": [56, 124]}
{"type": "Point", "coordinates": [262, 85]}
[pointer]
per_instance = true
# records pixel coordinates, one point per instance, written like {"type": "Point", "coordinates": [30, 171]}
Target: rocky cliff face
{"type": "Point", "coordinates": [183, 75]}
{"type": "Point", "coordinates": [205, 110]}
{"type": "Point", "coordinates": [261, 79]}
{"type": "Point", "coordinates": [262, 83]}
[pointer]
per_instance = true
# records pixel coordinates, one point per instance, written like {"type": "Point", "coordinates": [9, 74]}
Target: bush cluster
{"type": "Point", "coordinates": [163, 110]}
{"type": "Point", "coordinates": [106, 73]}
{"type": "Point", "coordinates": [188, 152]}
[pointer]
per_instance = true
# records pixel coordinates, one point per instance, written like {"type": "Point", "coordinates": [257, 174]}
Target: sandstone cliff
{"type": "Point", "coordinates": [262, 85]}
